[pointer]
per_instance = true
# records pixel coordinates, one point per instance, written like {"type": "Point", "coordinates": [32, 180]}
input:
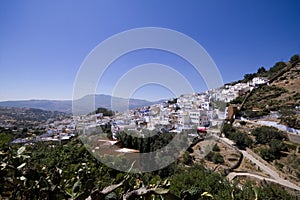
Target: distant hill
{"type": "Point", "coordinates": [28, 117]}
{"type": "Point", "coordinates": [66, 105]}
{"type": "Point", "coordinates": [51, 105]}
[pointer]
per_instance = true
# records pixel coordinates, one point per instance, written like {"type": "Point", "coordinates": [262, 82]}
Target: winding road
{"type": "Point", "coordinates": [275, 178]}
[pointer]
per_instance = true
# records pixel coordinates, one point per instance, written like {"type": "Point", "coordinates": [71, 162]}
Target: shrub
{"type": "Point", "coordinates": [215, 157]}
{"type": "Point", "coordinates": [265, 134]}
{"type": "Point", "coordinates": [216, 148]}
{"type": "Point", "coordinates": [277, 67]}
{"type": "Point", "coordinates": [5, 139]}
{"type": "Point", "coordinates": [294, 58]}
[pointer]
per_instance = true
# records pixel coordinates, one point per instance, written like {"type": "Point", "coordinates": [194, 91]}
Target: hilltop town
{"type": "Point", "coordinates": [206, 112]}
{"type": "Point", "coordinates": [227, 132]}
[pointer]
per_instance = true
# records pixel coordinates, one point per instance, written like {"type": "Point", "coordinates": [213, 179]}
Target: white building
{"type": "Point", "coordinates": [184, 118]}
{"type": "Point", "coordinates": [205, 105]}
{"type": "Point", "coordinates": [198, 116]}
{"type": "Point", "coordinates": [259, 80]}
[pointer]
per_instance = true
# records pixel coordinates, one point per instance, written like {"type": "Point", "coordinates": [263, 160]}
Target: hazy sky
{"type": "Point", "coordinates": [43, 43]}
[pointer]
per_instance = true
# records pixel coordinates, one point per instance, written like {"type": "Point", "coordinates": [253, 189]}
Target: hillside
{"type": "Point", "coordinates": [282, 93]}
{"type": "Point", "coordinates": [27, 117]}
{"type": "Point", "coordinates": [275, 102]}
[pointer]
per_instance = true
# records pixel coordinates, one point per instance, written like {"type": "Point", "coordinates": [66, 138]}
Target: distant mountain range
{"type": "Point", "coordinates": [101, 100]}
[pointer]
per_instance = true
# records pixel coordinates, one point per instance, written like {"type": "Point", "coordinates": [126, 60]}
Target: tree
{"type": "Point", "coordinates": [276, 146]}
{"type": "Point", "coordinates": [294, 58]}
{"type": "Point", "coordinates": [216, 148]}
{"type": "Point", "coordinates": [277, 67]}
{"type": "Point", "coordinates": [104, 111]}
{"type": "Point", "coordinates": [5, 139]}
{"type": "Point", "coordinates": [241, 139]}
{"type": "Point", "coordinates": [265, 134]}
{"type": "Point", "coordinates": [261, 70]}
{"type": "Point", "coordinates": [267, 155]}
{"type": "Point", "coordinates": [186, 158]}
{"type": "Point", "coordinates": [249, 77]}
{"type": "Point", "coordinates": [218, 158]}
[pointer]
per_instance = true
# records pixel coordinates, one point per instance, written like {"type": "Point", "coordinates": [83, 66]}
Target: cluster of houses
{"type": "Point", "coordinates": [232, 91]}
{"type": "Point", "coordinates": [57, 131]}
{"type": "Point", "coordinates": [185, 112]}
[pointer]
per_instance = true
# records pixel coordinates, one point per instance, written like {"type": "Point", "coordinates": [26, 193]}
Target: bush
{"type": "Point", "coordinates": [216, 148]}
{"type": "Point", "coordinates": [215, 157]}
{"type": "Point", "coordinates": [277, 67]}
{"type": "Point", "coordinates": [265, 134]}
{"type": "Point", "coordinates": [294, 58]}
{"type": "Point", "coordinates": [186, 158]}
{"type": "Point", "coordinates": [243, 123]}
{"type": "Point", "coordinates": [261, 70]}
{"type": "Point", "coordinates": [5, 139]}
{"type": "Point", "coordinates": [242, 140]}
{"type": "Point", "coordinates": [104, 111]}
{"type": "Point", "coordinates": [274, 152]}
{"type": "Point", "coordinates": [266, 155]}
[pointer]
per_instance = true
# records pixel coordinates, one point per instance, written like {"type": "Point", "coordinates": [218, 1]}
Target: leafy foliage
{"type": "Point", "coordinates": [45, 171]}
{"type": "Point", "coordinates": [104, 111]}
{"type": "Point", "coordinates": [6, 138]}
{"type": "Point", "coordinates": [265, 134]}
{"type": "Point", "coordinates": [274, 151]}
{"type": "Point", "coordinates": [249, 77]}
{"type": "Point", "coordinates": [276, 68]}
{"type": "Point", "coordinates": [273, 137]}
{"type": "Point", "coordinates": [289, 117]}
{"type": "Point", "coordinates": [151, 141]}
{"type": "Point", "coordinates": [294, 58]}
{"type": "Point", "coordinates": [215, 157]}
{"type": "Point", "coordinates": [241, 139]}
{"type": "Point", "coordinates": [263, 100]}
{"type": "Point", "coordinates": [261, 71]}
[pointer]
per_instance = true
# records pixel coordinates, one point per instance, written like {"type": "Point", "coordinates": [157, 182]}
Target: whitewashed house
{"type": "Point", "coordinates": [259, 80]}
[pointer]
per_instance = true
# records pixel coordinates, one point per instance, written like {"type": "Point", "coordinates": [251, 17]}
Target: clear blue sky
{"type": "Point", "coordinates": [43, 43]}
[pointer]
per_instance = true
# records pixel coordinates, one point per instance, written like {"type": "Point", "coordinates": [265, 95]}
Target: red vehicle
{"type": "Point", "coordinates": [201, 129]}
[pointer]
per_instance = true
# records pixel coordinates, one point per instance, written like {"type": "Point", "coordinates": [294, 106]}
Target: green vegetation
{"type": "Point", "coordinates": [198, 183]}
{"type": "Point", "coordinates": [242, 140]}
{"type": "Point", "coordinates": [44, 171]}
{"type": "Point", "coordinates": [186, 158]}
{"type": "Point", "coordinates": [151, 141]}
{"type": "Point", "coordinates": [216, 148]}
{"type": "Point", "coordinates": [289, 117]}
{"type": "Point", "coordinates": [276, 68]}
{"type": "Point", "coordinates": [6, 138]}
{"type": "Point", "coordinates": [261, 102]}
{"type": "Point", "coordinates": [291, 121]}
{"type": "Point", "coordinates": [268, 98]}
{"type": "Point", "coordinates": [294, 58]}
{"type": "Point", "coordinates": [104, 111]}
{"type": "Point", "coordinates": [274, 151]}
{"type": "Point", "coordinates": [248, 77]}
{"type": "Point", "coordinates": [221, 105]}
{"type": "Point", "coordinates": [215, 157]}
{"type": "Point", "coordinates": [238, 100]}
{"type": "Point", "coordinates": [262, 72]}
{"type": "Point", "coordinates": [274, 138]}
{"type": "Point", "coordinates": [294, 163]}
{"type": "Point", "coordinates": [265, 134]}
{"type": "Point", "coordinates": [251, 114]}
